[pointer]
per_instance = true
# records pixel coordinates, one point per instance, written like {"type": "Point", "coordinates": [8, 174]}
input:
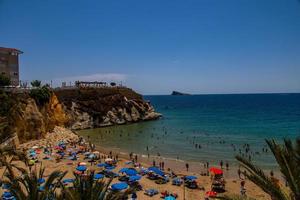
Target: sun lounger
{"type": "Point", "coordinates": [151, 192]}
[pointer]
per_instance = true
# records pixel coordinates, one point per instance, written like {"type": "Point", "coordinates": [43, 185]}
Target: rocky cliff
{"type": "Point", "coordinates": [72, 108]}
{"type": "Point", "coordinates": [89, 108]}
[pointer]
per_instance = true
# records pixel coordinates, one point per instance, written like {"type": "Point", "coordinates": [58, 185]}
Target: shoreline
{"type": "Point", "coordinates": [59, 134]}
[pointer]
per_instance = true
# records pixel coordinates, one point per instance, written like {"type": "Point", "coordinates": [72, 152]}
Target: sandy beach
{"type": "Point", "coordinates": [62, 134]}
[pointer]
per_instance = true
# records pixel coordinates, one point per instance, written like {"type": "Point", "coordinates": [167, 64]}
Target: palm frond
{"type": "Point", "coordinates": [257, 176]}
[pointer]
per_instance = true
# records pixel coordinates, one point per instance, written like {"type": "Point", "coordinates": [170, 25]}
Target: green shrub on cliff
{"type": "Point", "coordinates": [41, 95]}
{"type": "Point", "coordinates": [6, 103]}
{"type": "Point", "coordinates": [4, 81]}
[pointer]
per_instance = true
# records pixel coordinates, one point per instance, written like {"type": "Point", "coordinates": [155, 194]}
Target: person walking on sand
{"type": "Point", "coordinates": [221, 164]}
{"type": "Point", "coordinates": [227, 166]}
{"type": "Point", "coordinates": [243, 189]}
{"type": "Point", "coordinates": [153, 163]}
{"type": "Point", "coordinates": [163, 165]}
{"type": "Point", "coordinates": [134, 196]}
{"type": "Point", "coordinates": [187, 166]}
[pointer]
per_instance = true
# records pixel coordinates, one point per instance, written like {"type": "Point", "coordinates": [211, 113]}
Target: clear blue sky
{"type": "Point", "coordinates": [156, 46]}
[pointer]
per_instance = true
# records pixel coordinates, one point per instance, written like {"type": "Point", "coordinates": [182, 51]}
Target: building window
{"type": "Point", "coordinates": [3, 73]}
{"type": "Point", "coordinates": [16, 73]}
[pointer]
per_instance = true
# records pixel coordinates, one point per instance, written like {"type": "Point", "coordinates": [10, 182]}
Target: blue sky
{"type": "Point", "coordinates": [195, 46]}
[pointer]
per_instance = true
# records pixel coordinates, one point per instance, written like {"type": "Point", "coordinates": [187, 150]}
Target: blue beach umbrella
{"type": "Point", "coordinates": [68, 180]}
{"type": "Point", "coordinates": [123, 170]}
{"type": "Point", "coordinates": [119, 186]}
{"type": "Point", "coordinates": [156, 171]}
{"type": "Point", "coordinates": [5, 186]}
{"type": "Point", "coordinates": [98, 176]}
{"type": "Point", "coordinates": [81, 168]}
{"type": "Point", "coordinates": [169, 198]}
{"type": "Point", "coordinates": [41, 180]}
{"type": "Point", "coordinates": [131, 172]}
{"type": "Point", "coordinates": [110, 167]}
{"type": "Point", "coordinates": [101, 165]}
{"type": "Point", "coordinates": [7, 196]}
{"type": "Point", "coordinates": [41, 188]}
{"type": "Point", "coordinates": [191, 178]}
{"type": "Point", "coordinates": [134, 178]}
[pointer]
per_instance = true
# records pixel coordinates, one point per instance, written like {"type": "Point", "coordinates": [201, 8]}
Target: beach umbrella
{"type": "Point", "coordinates": [169, 198]}
{"type": "Point", "coordinates": [156, 171]}
{"type": "Point", "coordinates": [123, 170]}
{"type": "Point", "coordinates": [110, 167]}
{"type": "Point", "coordinates": [32, 153]}
{"type": "Point", "coordinates": [108, 160]}
{"type": "Point", "coordinates": [68, 180]}
{"type": "Point", "coordinates": [119, 186]}
{"type": "Point", "coordinates": [91, 156]}
{"type": "Point", "coordinates": [41, 188]}
{"type": "Point", "coordinates": [101, 165]}
{"type": "Point", "coordinates": [134, 178]}
{"type": "Point", "coordinates": [81, 168]}
{"type": "Point", "coordinates": [82, 164]}
{"type": "Point", "coordinates": [191, 178]}
{"type": "Point", "coordinates": [5, 186]}
{"type": "Point", "coordinates": [211, 194]}
{"type": "Point", "coordinates": [98, 176]}
{"type": "Point", "coordinates": [7, 196]}
{"type": "Point", "coordinates": [216, 171]}
{"type": "Point", "coordinates": [41, 180]}
{"type": "Point", "coordinates": [131, 172]}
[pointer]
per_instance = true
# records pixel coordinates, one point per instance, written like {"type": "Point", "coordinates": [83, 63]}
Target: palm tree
{"type": "Point", "coordinates": [36, 83]}
{"type": "Point", "coordinates": [87, 188]}
{"type": "Point", "coordinates": [288, 159]}
{"type": "Point", "coordinates": [8, 153]}
{"type": "Point", "coordinates": [27, 186]}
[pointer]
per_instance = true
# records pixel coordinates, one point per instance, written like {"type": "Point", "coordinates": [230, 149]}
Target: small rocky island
{"type": "Point", "coordinates": [176, 93]}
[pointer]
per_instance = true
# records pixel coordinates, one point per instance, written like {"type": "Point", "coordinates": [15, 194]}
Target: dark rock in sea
{"type": "Point", "coordinates": [179, 93]}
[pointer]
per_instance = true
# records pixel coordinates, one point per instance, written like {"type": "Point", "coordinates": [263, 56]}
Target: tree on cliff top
{"type": "Point", "coordinates": [41, 95]}
{"type": "Point", "coordinates": [36, 83]}
{"type": "Point", "coordinates": [4, 80]}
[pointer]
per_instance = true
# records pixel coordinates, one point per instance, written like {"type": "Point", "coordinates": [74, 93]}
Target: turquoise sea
{"type": "Point", "coordinates": [220, 124]}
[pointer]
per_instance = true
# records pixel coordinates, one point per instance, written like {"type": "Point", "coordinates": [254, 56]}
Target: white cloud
{"type": "Point", "coordinates": [108, 77]}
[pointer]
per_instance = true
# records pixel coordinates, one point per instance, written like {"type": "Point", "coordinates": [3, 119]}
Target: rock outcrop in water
{"type": "Point", "coordinates": [179, 93]}
{"type": "Point", "coordinates": [72, 108]}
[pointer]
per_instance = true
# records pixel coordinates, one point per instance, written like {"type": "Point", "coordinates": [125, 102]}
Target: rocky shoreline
{"type": "Point", "coordinates": [76, 109]}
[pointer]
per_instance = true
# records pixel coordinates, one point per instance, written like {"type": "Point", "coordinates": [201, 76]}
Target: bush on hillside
{"type": "Point", "coordinates": [4, 80]}
{"type": "Point", "coordinates": [41, 95]}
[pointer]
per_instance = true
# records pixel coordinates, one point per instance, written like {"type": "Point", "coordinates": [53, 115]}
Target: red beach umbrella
{"type": "Point", "coordinates": [211, 194]}
{"type": "Point", "coordinates": [216, 171]}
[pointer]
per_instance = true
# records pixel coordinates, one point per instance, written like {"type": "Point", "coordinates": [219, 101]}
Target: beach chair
{"type": "Point", "coordinates": [191, 184]}
{"type": "Point", "coordinates": [151, 192]}
{"type": "Point", "coordinates": [162, 180]}
{"type": "Point", "coordinates": [218, 186]}
{"type": "Point", "coordinates": [177, 181]}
